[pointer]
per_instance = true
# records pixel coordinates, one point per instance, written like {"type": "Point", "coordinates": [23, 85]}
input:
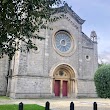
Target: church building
{"type": "Point", "coordinates": [63, 66]}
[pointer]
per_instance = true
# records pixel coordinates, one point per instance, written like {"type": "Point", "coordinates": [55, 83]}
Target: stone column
{"type": "Point", "coordinates": [61, 84]}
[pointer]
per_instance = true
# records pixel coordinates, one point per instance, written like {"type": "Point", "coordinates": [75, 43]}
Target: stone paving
{"type": "Point", "coordinates": [63, 103]}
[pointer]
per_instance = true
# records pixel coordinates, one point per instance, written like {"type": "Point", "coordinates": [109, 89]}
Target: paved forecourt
{"type": "Point", "coordinates": [63, 103]}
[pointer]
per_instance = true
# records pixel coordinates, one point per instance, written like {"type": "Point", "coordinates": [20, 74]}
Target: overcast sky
{"type": "Point", "coordinates": [97, 16]}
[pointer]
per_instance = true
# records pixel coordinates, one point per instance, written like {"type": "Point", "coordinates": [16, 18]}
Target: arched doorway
{"type": "Point", "coordinates": [64, 83]}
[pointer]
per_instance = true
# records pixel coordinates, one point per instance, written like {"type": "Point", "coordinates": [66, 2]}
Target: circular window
{"type": "Point", "coordinates": [87, 57]}
{"type": "Point", "coordinates": [63, 42]}
{"type": "Point", "coordinates": [61, 73]}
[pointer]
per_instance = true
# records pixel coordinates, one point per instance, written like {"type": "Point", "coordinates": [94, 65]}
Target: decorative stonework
{"type": "Point", "coordinates": [63, 43]}
{"type": "Point", "coordinates": [50, 71]}
{"type": "Point", "coordinates": [67, 9]}
{"type": "Point", "coordinates": [64, 73]}
{"type": "Point", "coordinates": [64, 16]}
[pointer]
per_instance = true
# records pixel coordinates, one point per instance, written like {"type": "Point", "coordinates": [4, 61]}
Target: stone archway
{"type": "Point", "coordinates": [64, 82]}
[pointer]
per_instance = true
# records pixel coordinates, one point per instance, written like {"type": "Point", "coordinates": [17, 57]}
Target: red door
{"type": "Point", "coordinates": [57, 88]}
{"type": "Point", "coordinates": [64, 89]}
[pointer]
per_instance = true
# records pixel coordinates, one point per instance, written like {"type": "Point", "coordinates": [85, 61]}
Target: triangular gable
{"type": "Point", "coordinates": [68, 9]}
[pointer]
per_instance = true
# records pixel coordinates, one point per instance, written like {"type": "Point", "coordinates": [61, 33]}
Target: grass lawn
{"type": "Point", "coordinates": [26, 107]}
{"type": "Point", "coordinates": [4, 97]}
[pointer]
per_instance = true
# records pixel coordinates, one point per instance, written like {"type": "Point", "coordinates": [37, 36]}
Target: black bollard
{"type": "Point", "coordinates": [94, 106]}
{"type": "Point", "coordinates": [47, 106]}
{"type": "Point", "coordinates": [21, 106]}
{"type": "Point", "coordinates": [71, 106]}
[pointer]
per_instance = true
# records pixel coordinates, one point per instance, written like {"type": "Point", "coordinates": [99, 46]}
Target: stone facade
{"type": "Point", "coordinates": [3, 75]}
{"type": "Point", "coordinates": [51, 71]}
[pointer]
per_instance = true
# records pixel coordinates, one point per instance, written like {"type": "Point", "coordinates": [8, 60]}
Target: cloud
{"type": "Point", "coordinates": [104, 49]}
{"type": "Point", "coordinates": [104, 57]}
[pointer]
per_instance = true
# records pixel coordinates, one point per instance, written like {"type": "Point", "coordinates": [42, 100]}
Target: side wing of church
{"type": "Point", "coordinates": [63, 66]}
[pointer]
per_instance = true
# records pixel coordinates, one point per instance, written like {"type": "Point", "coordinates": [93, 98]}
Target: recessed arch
{"type": "Point", "coordinates": [66, 68]}
{"type": "Point", "coordinates": [64, 81]}
{"type": "Point", "coordinates": [58, 65]}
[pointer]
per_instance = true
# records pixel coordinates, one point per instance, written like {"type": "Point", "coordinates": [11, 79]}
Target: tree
{"type": "Point", "coordinates": [102, 81]}
{"type": "Point", "coordinates": [19, 19]}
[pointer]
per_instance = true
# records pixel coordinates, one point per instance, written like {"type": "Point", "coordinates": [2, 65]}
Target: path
{"type": "Point", "coordinates": [63, 104]}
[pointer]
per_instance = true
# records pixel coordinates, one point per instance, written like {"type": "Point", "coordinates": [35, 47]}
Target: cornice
{"type": "Point", "coordinates": [67, 9]}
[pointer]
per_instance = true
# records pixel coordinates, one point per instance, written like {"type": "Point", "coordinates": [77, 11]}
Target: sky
{"type": "Point", "coordinates": [97, 16]}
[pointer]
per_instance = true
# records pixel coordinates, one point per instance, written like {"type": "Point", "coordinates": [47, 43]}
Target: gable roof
{"type": "Point", "coordinates": [68, 9]}
{"type": "Point", "coordinates": [86, 37]}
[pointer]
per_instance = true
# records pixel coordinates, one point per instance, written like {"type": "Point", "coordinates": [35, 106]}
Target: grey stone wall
{"type": "Point", "coordinates": [32, 87]}
{"type": "Point", "coordinates": [32, 75]}
{"type": "Point", "coordinates": [3, 74]}
{"type": "Point", "coordinates": [30, 81]}
{"type": "Point", "coordinates": [35, 60]}
{"type": "Point", "coordinates": [86, 88]}
{"type": "Point", "coordinates": [68, 24]}
{"type": "Point", "coordinates": [89, 63]}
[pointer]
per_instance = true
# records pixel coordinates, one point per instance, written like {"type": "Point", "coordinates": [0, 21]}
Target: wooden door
{"type": "Point", "coordinates": [57, 88]}
{"type": "Point", "coordinates": [64, 88]}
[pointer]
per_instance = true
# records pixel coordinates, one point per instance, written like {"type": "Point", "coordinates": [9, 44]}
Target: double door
{"type": "Point", "coordinates": [61, 88]}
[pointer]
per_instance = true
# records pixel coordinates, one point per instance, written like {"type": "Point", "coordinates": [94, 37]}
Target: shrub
{"type": "Point", "coordinates": [102, 81]}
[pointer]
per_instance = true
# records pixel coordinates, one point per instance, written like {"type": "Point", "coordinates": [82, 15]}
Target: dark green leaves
{"type": "Point", "coordinates": [19, 19]}
{"type": "Point", "coordinates": [102, 81]}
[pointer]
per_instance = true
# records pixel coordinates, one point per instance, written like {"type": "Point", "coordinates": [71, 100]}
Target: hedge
{"type": "Point", "coordinates": [102, 81]}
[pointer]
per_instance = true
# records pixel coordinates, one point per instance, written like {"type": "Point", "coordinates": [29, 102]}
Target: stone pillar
{"type": "Point", "coordinates": [61, 87]}
{"type": "Point", "coordinates": [75, 84]}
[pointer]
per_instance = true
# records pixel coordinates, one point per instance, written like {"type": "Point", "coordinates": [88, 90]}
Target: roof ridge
{"type": "Point", "coordinates": [86, 37]}
{"type": "Point", "coordinates": [79, 19]}
{"type": "Point", "coordinates": [68, 9]}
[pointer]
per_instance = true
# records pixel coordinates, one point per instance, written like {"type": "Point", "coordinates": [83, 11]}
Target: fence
{"type": "Point", "coordinates": [47, 106]}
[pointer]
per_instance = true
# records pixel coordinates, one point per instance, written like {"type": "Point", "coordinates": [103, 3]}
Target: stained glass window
{"type": "Point", "coordinates": [63, 41]}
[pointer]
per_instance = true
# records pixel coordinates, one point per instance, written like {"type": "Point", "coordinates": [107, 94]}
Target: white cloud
{"type": "Point", "coordinates": [104, 57]}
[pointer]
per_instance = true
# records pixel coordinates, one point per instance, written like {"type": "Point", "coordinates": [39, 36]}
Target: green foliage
{"type": "Point", "coordinates": [4, 97]}
{"type": "Point", "coordinates": [101, 63]}
{"type": "Point", "coordinates": [102, 81]}
{"type": "Point", "coordinates": [20, 19]}
{"type": "Point", "coordinates": [26, 107]}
